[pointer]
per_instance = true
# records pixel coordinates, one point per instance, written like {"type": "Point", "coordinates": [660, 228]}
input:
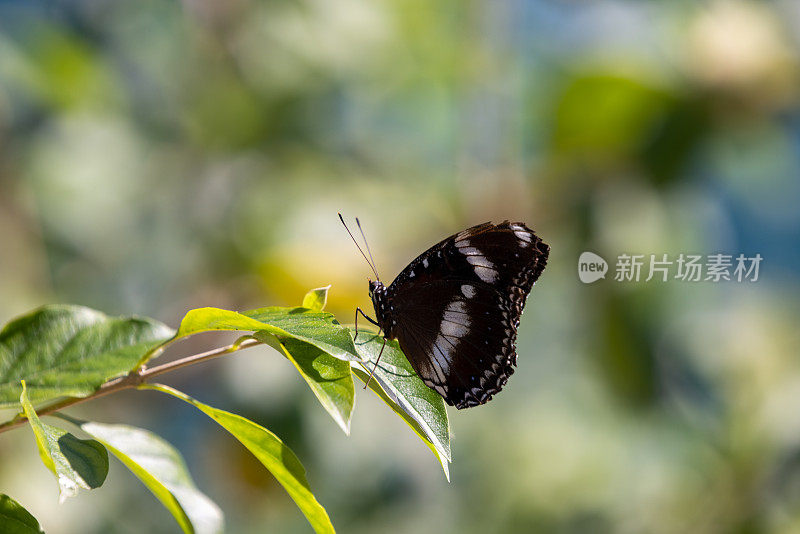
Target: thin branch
{"type": "Point", "coordinates": [135, 378]}
{"type": "Point", "coordinates": [243, 342]}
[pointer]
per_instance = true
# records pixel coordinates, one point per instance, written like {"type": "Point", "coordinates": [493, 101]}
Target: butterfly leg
{"type": "Point", "coordinates": [364, 315]}
{"type": "Point", "coordinates": [376, 363]}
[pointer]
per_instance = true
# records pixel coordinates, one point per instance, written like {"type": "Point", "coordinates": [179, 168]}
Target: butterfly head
{"type": "Point", "coordinates": [376, 288]}
{"type": "Point", "coordinates": [378, 294]}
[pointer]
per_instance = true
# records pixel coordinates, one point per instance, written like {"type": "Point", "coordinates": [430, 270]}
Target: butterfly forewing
{"type": "Point", "coordinates": [455, 309]}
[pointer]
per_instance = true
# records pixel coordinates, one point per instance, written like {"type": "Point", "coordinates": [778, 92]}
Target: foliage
{"type": "Point", "coordinates": [399, 386]}
{"type": "Point", "coordinates": [161, 468]}
{"type": "Point", "coordinates": [71, 351]}
{"type": "Point", "coordinates": [76, 463]}
{"type": "Point", "coordinates": [60, 355]}
{"type": "Point", "coordinates": [15, 519]}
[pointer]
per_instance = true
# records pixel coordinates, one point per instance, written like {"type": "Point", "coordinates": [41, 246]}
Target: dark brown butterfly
{"type": "Point", "coordinates": [456, 308]}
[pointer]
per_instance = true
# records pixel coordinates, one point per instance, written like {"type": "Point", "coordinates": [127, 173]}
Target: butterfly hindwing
{"type": "Point", "coordinates": [455, 309]}
{"type": "Point", "coordinates": [461, 350]}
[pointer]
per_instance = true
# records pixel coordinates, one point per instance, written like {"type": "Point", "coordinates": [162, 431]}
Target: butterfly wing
{"type": "Point", "coordinates": [457, 307]}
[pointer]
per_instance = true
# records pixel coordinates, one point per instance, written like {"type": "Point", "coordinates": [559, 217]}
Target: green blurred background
{"type": "Point", "coordinates": [157, 156]}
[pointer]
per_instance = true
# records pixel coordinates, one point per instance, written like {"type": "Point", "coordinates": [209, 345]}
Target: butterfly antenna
{"type": "Point", "coordinates": [366, 244]}
{"type": "Point", "coordinates": [357, 246]}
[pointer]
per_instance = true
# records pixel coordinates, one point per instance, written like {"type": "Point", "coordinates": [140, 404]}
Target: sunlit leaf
{"type": "Point", "coordinates": [70, 351]}
{"type": "Point", "coordinates": [316, 299]}
{"type": "Point", "coordinates": [396, 383]}
{"type": "Point", "coordinates": [14, 519]}
{"type": "Point", "coordinates": [77, 463]}
{"type": "Point", "coordinates": [161, 468]}
{"type": "Point", "coordinates": [329, 378]}
{"type": "Point", "coordinates": [317, 328]}
{"type": "Point", "coordinates": [270, 451]}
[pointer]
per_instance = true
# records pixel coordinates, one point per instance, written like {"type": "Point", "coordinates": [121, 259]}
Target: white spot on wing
{"type": "Point", "coordinates": [450, 328]}
{"type": "Point", "coordinates": [523, 235]}
{"type": "Point", "coordinates": [455, 324]}
{"type": "Point", "coordinates": [455, 321]}
{"type": "Point", "coordinates": [480, 260]}
{"type": "Point", "coordinates": [483, 268]}
{"type": "Point", "coordinates": [425, 263]}
{"type": "Point", "coordinates": [457, 306]}
{"type": "Point", "coordinates": [486, 274]}
{"type": "Point", "coordinates": [441, 353]}
{"type": "Point", "coordinates": [468, 291]}
{"type": "Point", "coordinates": [469, 251]}
{"type": "Point", "coordinates": [445, 362]}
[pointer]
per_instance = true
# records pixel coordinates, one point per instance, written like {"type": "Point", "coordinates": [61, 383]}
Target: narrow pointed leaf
{"type": "Point", "coordinates": [161, 468]}
{"type": "Point", "coordinates": [14, 519]}
{"type": "Point", "coordinates": [70, 351]}
{"type": "Point", "coordinates": [329, 378]}
{"type": "Point", "coordinates": [77, 463]}
{"type": "Point", "coordinates": [316, 299]}
{"type": "Point", "coordinates": [270, 451]}
{"type": "Point", "coordinates": [375, 386]}
{"type": "Point", "coordinates": [405, 392]}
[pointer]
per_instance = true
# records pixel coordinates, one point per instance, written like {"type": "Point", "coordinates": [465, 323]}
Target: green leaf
{"type": "Point", "coordinates": [317, 328]}
{"type": "Point", "coordinates": [70, 351]}
{"type": "Point", "coordinates": [329, 378]}
{"type": "Point", "coordinates": [316, 299]}
{"type": "Point", "coordinates": [77, 463]}
{"type": "Point", "coordinates": [14, 519]}
{"type": "Point", "coordinates": [321, 329]}
{"type": "Point", "coordinates": [399, 386]}
{"type": "Point", "coordinates": [270, 451]}
{"type": "Point", "coordinates": [161, 468]}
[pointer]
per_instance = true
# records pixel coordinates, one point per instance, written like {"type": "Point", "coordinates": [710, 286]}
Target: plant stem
{"type": "Point", "coordinates": [135, 378]}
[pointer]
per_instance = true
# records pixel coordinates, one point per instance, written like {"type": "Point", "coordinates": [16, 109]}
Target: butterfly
{"type": "Point", "coordinates": [455, 309]}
